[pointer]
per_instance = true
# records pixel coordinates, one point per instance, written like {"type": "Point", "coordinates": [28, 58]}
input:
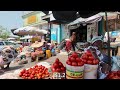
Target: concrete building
{"type": "Point", "coordinates": [33, 18]}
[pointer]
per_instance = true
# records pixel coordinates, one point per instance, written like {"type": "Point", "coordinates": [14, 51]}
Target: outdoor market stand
{"type": "Point", "coordinates": [31, 31]}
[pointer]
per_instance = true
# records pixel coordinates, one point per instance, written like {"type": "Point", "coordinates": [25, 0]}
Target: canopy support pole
{"type": "Point", "coordinates": [109, 56]}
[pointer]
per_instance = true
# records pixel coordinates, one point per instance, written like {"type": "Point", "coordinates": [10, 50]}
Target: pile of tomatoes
{"type": "Point", "coordinates": [114, 75]}
{"type": "Point", "coordinates": [58, 66]}
{"type": "Point", "coordinates": [88, 58]}
{"type": "Point", "coordinates": [74, 60]}
{"type": "Point", "coordinates": [37, 72]}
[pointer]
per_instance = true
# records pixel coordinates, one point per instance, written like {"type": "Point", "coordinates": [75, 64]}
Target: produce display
{"type": "Point", "coordinates": [58, 69]}
{"type": "Point", "coordinates": [37, 72]}
{"type": "Point", "coordinates": [74, 67]}
{"type": "Point", "coordinates": [91, 65]}
{"type": "Point", "coordinates": [113, 75]}
{"type": "Point", "coordinates": [88, 58]}
{"type": "Point", "coordinates": [58, 66]}
{"type": "Point", "coordinates": [74, 60]}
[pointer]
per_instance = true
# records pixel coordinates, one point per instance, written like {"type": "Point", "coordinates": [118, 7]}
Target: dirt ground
{"type": "Point", "coordinates": [15, 66]}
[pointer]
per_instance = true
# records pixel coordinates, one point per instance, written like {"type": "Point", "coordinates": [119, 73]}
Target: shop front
{"type": "Point", "coordinates": [55, 33]}
{"type": "Point", "coordinates": [86, 28]}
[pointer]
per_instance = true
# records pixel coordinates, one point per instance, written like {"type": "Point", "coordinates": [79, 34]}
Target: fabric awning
{"type": "Point", "coordinates": [92, 19]}
{"type": "Point", "coordinates": [95, 18]}
{"type": "Point", "coordinates": [79, 20]}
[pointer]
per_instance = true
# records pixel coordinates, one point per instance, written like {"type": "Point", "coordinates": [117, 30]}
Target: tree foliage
{"type": "Point", "coordinates": [4, 33]}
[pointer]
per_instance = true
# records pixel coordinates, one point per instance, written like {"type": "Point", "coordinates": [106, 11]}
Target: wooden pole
{"type": "Point", "coordinates": [109, 56]}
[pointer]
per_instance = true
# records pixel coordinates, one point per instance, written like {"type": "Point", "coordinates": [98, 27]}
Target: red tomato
{"type": "Point", "coordinates": [84, 56]}
{"type": "Point", "coordinates": [84, 60]}
{"type": "Point", "coordinates": [94, 62]}
{"type": "Point", "coordinates": [69, 57]}
{"type": "Point", "coordinates": [97, 61]}
{"type": "Point", "coordinates": [53, 69]}
{"type": "Point", "coordinates": [89, 54]}
{"type": "Point", "coordinates": [63, 68]}
{"type": "Point", "coordinates": [20, 74]}
{"type": "Point", "coordinates": [58, 70]}
{"type": "Point", "coordinates": [55, 65]}
{"type": "Point", "coordinates": [78, 59]}
{"type": "Point", "coordinates": [74, 63]}
{"type": "Point", "coordinates": [57, 60]}
{"type": "Point", "coordinates": [72, 59]}
{"type": "Point", "coordinates": [89, 62]}
{"type": "Point", "coordinates": [60, 64]}
{"type": "Point", "coordinates": [80, 64]}
{"type": "Point", "coordinates": [118, 73]}
{"type": "Point", "coordinates": [74, 55]}
{"type": "Point", "coordinates": [69, 62]}
{"type": "Point", "coordinates": [110, 75]}
{"type": "Point", "coordinates": [33, 72]}
{"type": "Point", "coordinates": [31, 76]}
{"type": "Point", "coordinates": [115, 77]}
{"type": "Point", "coordinates": [91, 58]}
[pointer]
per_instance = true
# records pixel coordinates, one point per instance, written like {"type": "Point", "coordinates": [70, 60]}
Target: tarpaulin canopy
{"type": "Point", "coordinates": [79, 20]}
{"type": "Point", "coordinates": [95, 18]}
{"type": "Point", "coordinates": [92, 19]}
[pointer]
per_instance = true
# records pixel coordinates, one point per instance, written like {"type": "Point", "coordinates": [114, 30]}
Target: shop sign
{"type": "Point", "coordinates": [32, 19]}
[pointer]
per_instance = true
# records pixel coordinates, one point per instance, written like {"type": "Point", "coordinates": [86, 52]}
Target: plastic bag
{"type": "Point", "coordinates": [116, 63]}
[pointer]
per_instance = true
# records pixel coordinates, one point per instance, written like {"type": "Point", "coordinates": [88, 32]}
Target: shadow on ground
{"type": "Point", "coordinates": [14, 68]}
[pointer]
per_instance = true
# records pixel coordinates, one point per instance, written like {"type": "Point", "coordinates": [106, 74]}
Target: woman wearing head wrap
{"type": "Point", "coordinates": [96, 48]}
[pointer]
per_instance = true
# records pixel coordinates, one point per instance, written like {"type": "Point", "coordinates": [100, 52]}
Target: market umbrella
{"type": "Point", "coordinates": [26, 37]}
{"type": "Point", "coordinates": [11, 38]}
{"type": "Point", "coordinates": [70, 16]}
{"type": "Point", "coordinates": [66, 16]}
{"type": "Point", "coordinates": [21, 31]}
{"type": "Point", "coordinates": [30, 31]}
{"type": "Point", "coordinates": [86, 14]}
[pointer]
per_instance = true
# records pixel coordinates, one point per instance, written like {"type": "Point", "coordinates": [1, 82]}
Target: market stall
{"type": "Point", "coordinates": [33, 36]}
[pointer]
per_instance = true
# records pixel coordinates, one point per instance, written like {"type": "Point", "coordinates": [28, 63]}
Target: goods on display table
{"type": "Point", "coordinates": [91, 65]}
{"type": "Point", "coordinates": [113, 75]}
{"type": "Point", "coordinates": [58, 70]}
{"type": "Point", "coordinates": [74, 67]}
{"type": "Point", "coordinates": [36, 72]}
